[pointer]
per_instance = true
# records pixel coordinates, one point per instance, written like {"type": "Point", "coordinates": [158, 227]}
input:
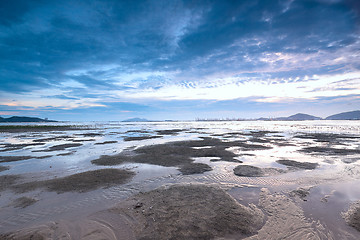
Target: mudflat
{"type": "Point", "coordinates": [81, 182]}
{"type": "Point", "coordinates": [211, 180]}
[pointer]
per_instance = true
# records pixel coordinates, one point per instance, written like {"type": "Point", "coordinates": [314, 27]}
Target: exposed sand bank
{"type": "Point", "coordinates": [178, 153]}
{"type": "Point", "coordinates": [295, 164]}
{"type": "Point", "coordinates": [252, 171]}
{"type": "Point", "coordinates": [175, 212]}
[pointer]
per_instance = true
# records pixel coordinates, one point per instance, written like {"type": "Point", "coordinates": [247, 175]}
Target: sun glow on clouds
{"type": "Point", "coordinates": [308, 88]}
{"type": "Point", "coordinates": [123, 56]}
{"type": "Point", "coordinates": [272, 90]}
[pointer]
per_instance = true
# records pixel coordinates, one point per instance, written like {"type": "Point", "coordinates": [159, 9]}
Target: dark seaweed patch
{"type": "Point", "coordinates": [194, 168]}
{"type": "Point", "coordinates": [14, 158]}
{"type": "Point", "coordinates": [38, 128]}
{"type": "Point", "coordinates": [326, 137]}
{"type": "Point", "coordinates": [81, 182]}
{"type": "Point", "coordinates": [7, 181]}
{"type": "Point", "coordinates": [23, 202]}
{"type": "Point", "coordinates": [170, 131]}
{"type": "Point", "coordinates": [60, 147]}
{"type": "Point", "coordinates": [248, 171]}
{"type": "Point", "coordinates": [330, 150]}
{"type": "Point", "coordinates": [106, 142]}
{"type": "Point", "coordinates": [4, 168]}
{"type": "Point", "coordinates": [12, 147]}
{"type": "Point", "coordinates": [20, 158]}
{"type": "Point", "coordinates": [127, 139]}
{"type": "Point", "coordinates": [252, 171]}
{"type": "Point", "coordinates": [302, 165]}
{"type": "Point", "coordinates": [179, 154]}
{"type": "Point", "coordinates": [90, 134]}
{"type": "Point", "coordinates": [193, 212]}
{"type": "Point", "coordinates": [52, 139]}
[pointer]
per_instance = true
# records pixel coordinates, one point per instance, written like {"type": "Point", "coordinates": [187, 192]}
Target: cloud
{"type": "Point", "coordinates": [90, 53]}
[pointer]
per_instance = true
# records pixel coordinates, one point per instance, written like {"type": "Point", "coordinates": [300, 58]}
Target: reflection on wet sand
{"type": "Point", "coordinates": [194, 180]}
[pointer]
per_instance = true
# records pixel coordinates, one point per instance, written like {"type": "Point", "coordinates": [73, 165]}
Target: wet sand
{"type": "Point", "coordinates": [81, 182]}
{"type": "Point", "coordinates": [37, 128]}
{"type": "Point", "coordinates": [352, 216]}
{"type": "Point", "coordinates": [3, 168]}
{"type": "Point", "coordinates": [179, 183]}
{"type": "Point", "coordinates": [252, 171]}
{"type": "Point", "coordinates": [295, 164]}
{"type": "Point", "coordinates": [174, 212]}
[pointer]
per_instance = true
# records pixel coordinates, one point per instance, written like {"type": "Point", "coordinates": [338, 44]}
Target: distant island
{"type": "Point", "coordinates": [297, 117]}
{"type": "Point", "coordinates": [136, 120]}
{"type": "Point", "coordinates": [17, 119]}
{"type": "Point", "coordinates": [354, 115]}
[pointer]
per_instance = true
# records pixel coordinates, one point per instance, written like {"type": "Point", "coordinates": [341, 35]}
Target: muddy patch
{"type": "Point", "coordinates": [327, 137]}
{"type": "Point", "coordinates": [137, 131]}
{"type": "Point", "coordinates": [92, 134]}
{"type": "Point", "coordinates": [12, 147]}
{"type": "Point", "coordinates": [352, 216]}
{"type": "Point", "coordinates": [4, 168]}
{"type": "Point", "coordinates": [106, 142]}
{"type": "Point", "coordinates": [14, 158]}
{"type": "Point", "coordinates": [81, 182]}
{"type": "Point", "coordinates": [52, 139]}
{"type": "Point", "coordinates": [173, 212]}
{"type": "Point", "coordinates": [170, 131]}
{"type": "Point", "coordinates": [176, 154]}
{"type": "Point", "coordinates": [191, 212]}
{"type": "Point", "coordinates": [65, 154]}
{"type": "Point", "coordinates": [249, 146]}
{"type": "Point", "coordinates": [59, 147]}
{"type": "Point", "coordinates": [20, 158]}
{"type": "Point", "coordinates": [7, 181]}
{"type": "Point", "coordinates": [330, 151]}
{"type": "Point", "coordinates": [258, 134]}
{"type": "Point", "coordinates": [252, 171]}
{"type": "Point", "coordinates": [23, 202]}
{"type": "Point", "coordinates": [194, 168]}
{"type": "Point", "coordinates": [83, 140]}
{"type": "Point", "coordinates": [300, 192]}
{"type": "Point", "coordinates": [260, 140]}
{"type": "Point", "coordinates": [37, 128]}
{"type": "Point", "coordinates": [139, 138]}
{"type": "Point", "coordinates": [301, 165]}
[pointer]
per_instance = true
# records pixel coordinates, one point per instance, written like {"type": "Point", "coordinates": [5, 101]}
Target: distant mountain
{"type": "Point", "coordinates": [296, 117]}
{"type": "Point", "coordinates": [24, 119]}
{"type": "Point", "coordinates": [302, 117]}
{"type": "Point", "coordinates": [136, 120]}
{"type": "Point", "coordinates": [354, 115]}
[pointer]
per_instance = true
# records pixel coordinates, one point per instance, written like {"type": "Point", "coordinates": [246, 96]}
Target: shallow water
{"type": "Point", "coordinates": [335, 171]}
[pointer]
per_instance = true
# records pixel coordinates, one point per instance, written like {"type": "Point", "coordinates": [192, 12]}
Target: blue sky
{"type": "Point", "coordinates": [112, 60]}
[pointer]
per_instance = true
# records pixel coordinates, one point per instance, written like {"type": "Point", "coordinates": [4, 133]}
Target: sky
{"type": "Point", "coordinates": [178, 60]}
